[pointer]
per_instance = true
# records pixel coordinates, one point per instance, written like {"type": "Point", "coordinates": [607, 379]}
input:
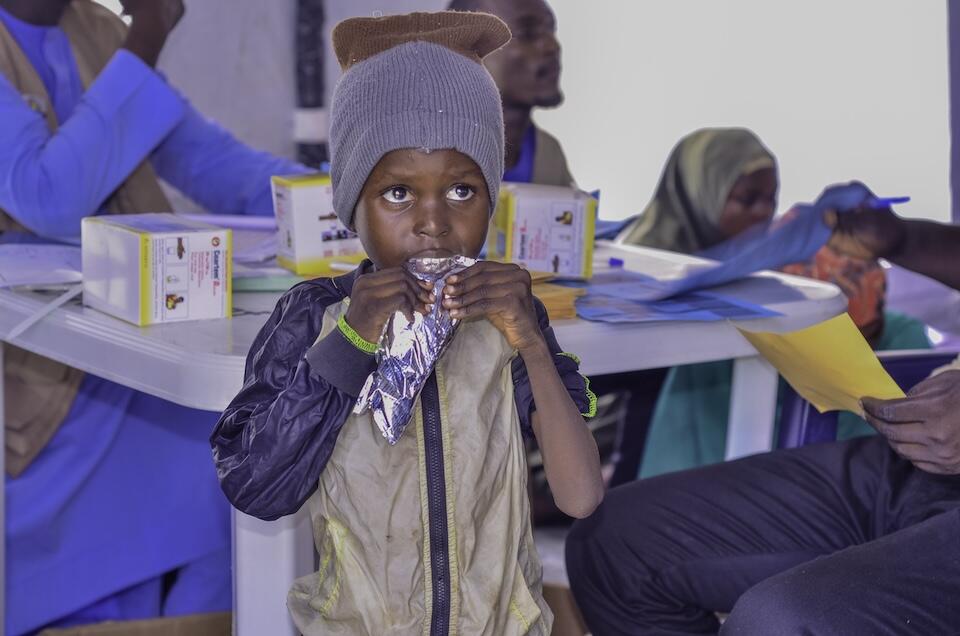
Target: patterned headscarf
{"type": "Point", "coordinates": [863, 282]}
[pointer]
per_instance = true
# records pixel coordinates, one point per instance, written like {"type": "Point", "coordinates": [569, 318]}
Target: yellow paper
{"type": "Point", "coordinates": [830, 364]}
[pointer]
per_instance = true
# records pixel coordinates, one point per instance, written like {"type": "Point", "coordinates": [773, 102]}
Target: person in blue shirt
{"type": "Point", "coordinates": [119, 515]}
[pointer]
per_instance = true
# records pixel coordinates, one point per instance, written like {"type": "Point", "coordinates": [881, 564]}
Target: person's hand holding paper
{"type": "Point", "coordinates": [829, 364]}
{"type": "Point", "coordinates": [924, 426]}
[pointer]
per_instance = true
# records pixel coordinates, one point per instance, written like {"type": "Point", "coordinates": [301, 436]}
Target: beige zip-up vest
{"type": "Point", "coordinates": [371, 513]}
{"type": "Point", "coordinates": [39, 391]}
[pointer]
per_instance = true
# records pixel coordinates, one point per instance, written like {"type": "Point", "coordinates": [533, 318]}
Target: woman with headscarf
{"type": "Point", "coordinates": [717, 184]}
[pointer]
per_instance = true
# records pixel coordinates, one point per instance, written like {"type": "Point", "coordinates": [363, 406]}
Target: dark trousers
{"type": "Point", "coordinates": [841, 538]}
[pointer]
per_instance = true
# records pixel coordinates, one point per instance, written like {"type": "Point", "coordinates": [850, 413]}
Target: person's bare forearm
{"type": "Point", "coordinates": [931, 249]}
{"type": "Point", "coordinates": [570, 456]}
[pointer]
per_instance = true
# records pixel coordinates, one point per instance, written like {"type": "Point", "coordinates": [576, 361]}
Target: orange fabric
{"type": "Point", "coordinates": [863, 282]}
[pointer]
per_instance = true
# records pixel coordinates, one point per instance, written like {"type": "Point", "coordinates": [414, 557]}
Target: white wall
{"type": "Point", "coordinates": [838, 89]}
{"type": "Point", "coordinates": [234, 60]}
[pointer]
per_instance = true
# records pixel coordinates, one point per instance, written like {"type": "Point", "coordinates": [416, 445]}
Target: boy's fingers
{"type": "Point", "coordinates": [422, 294]}
{"type": "Point", "coordinates": [484, 293]}
{"type": "Point", "coordinates": [383, 279]}
{"type": "Point", "coordinates": [481, 268]}
{"type": "Point", "coordinates": [405, 303]}
{"type": "Point", "coordinates": [485, 307]}
{"type": "Point", "coordinates": [388, 289]}
{"type": "Point", "coordinates": [486, 279]}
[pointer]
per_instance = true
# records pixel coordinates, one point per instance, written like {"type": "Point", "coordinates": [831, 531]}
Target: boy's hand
{"type": "Point", "coordinates": [378, 295]}
{"type": "Point", "coordinates": [499, 292]}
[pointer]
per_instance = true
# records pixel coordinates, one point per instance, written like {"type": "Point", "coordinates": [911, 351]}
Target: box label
{"type": "Point", "coordinates": [189, 277]}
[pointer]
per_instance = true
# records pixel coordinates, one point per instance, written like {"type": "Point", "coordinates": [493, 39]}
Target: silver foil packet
{"type": "Point", "coordinates": [408, 351]}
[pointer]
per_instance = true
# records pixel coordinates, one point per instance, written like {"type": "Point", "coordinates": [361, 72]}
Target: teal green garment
{"type": "Point", "coordinates": [689, 426]}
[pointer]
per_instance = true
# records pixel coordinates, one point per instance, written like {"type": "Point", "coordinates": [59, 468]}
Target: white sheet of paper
{"type": "Point", "coordinates": [34, 264]}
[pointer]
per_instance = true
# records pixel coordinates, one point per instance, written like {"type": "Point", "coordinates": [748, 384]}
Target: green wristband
{"type": "Point", "coordinates": [355, 339]}
{"type": "Point", "coordinates": [592, 410]}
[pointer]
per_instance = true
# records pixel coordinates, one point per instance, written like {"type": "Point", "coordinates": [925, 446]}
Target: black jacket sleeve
{"type": "Point", "coordinates": [568, 367]}
{"type": "Point", "coordinates": [276, 436]}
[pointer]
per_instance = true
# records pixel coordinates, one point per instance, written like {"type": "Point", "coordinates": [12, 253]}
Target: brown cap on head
{"type": "Point", "coordinates": [473, 35]}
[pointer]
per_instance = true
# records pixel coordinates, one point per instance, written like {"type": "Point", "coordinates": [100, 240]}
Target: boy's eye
{"type": "Point", "coordinates": [460, 192]}
{"type": "Point", "coordinates": [397, 194]}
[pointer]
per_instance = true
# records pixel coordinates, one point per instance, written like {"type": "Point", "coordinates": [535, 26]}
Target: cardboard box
{"type": "Point", "coordinates": [153, 268]}
{"type": "Point", "coordinates": [544, 228]}
{"type": "Point", "coordinates": [311, 237]}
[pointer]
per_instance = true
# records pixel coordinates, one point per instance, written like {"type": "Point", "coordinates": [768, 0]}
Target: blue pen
{"type": "Point", "coordinates": [879, 203]}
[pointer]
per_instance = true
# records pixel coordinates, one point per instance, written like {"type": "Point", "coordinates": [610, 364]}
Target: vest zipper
{"type": "Point", "coordinates": [437, 503]}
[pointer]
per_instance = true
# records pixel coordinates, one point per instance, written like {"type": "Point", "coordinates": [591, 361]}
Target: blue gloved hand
{"type": "Point", "coordinates": [844, 197]}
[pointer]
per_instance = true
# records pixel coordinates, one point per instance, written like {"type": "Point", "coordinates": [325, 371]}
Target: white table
{"type": "Point", "coordinates": [200, 365]}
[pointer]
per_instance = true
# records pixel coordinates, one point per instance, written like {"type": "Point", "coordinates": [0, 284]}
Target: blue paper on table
{"type": "Point", "coordinates": [792, 240]}
{"type": "Point", "coordinates": [693, 307]}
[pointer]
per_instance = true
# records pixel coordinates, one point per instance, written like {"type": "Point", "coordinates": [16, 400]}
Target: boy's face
{"type": "Point", "coordinates": [422, 204]}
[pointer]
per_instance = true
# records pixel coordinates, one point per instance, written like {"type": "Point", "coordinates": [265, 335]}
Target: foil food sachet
{"type": "Point", "coordinates": [408, 351]}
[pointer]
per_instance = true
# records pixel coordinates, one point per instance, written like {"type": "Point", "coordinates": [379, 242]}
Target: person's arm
{"type": "Point", "coordinates": [50, 182]}
{"type": "Point", "coordinates": [930, 249]}
{"type": "Point", "coordinates": [275, 438]}
{"type": "Point", "coordinates": [501, 293]}
{"type": "Point", "coordinates": [862, 232]}
{"type": "Point", "coordinates": [209, 165]}
{"type": "Point", "coordinates": [924, 247]}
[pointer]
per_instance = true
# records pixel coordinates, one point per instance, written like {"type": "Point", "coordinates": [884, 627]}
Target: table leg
{"type": "Point", "coordinates": [267, 557]}
{"type": "Point", "coordinates": [753, 405]}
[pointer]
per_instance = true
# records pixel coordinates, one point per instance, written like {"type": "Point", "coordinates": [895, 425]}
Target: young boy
{"type": "Point", "coordinates": [431, 535]}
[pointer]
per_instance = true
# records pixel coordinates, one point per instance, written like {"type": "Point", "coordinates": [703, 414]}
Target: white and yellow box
{"type": "Point", "coordinates": [310, 236]}
{"type": "Point", "coordinates": [152, 268]}
{"type": "Point", "coordinates": [544, 228]}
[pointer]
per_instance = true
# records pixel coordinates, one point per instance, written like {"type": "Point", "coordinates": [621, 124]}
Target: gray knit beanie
{"type": "Point", "coordinates": [414, 81]}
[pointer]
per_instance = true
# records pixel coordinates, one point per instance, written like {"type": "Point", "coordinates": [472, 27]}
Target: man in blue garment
{"type": "Point", "coordinates": [527, 72]}
{"type": "Point", "coordinates": [113, 507]}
